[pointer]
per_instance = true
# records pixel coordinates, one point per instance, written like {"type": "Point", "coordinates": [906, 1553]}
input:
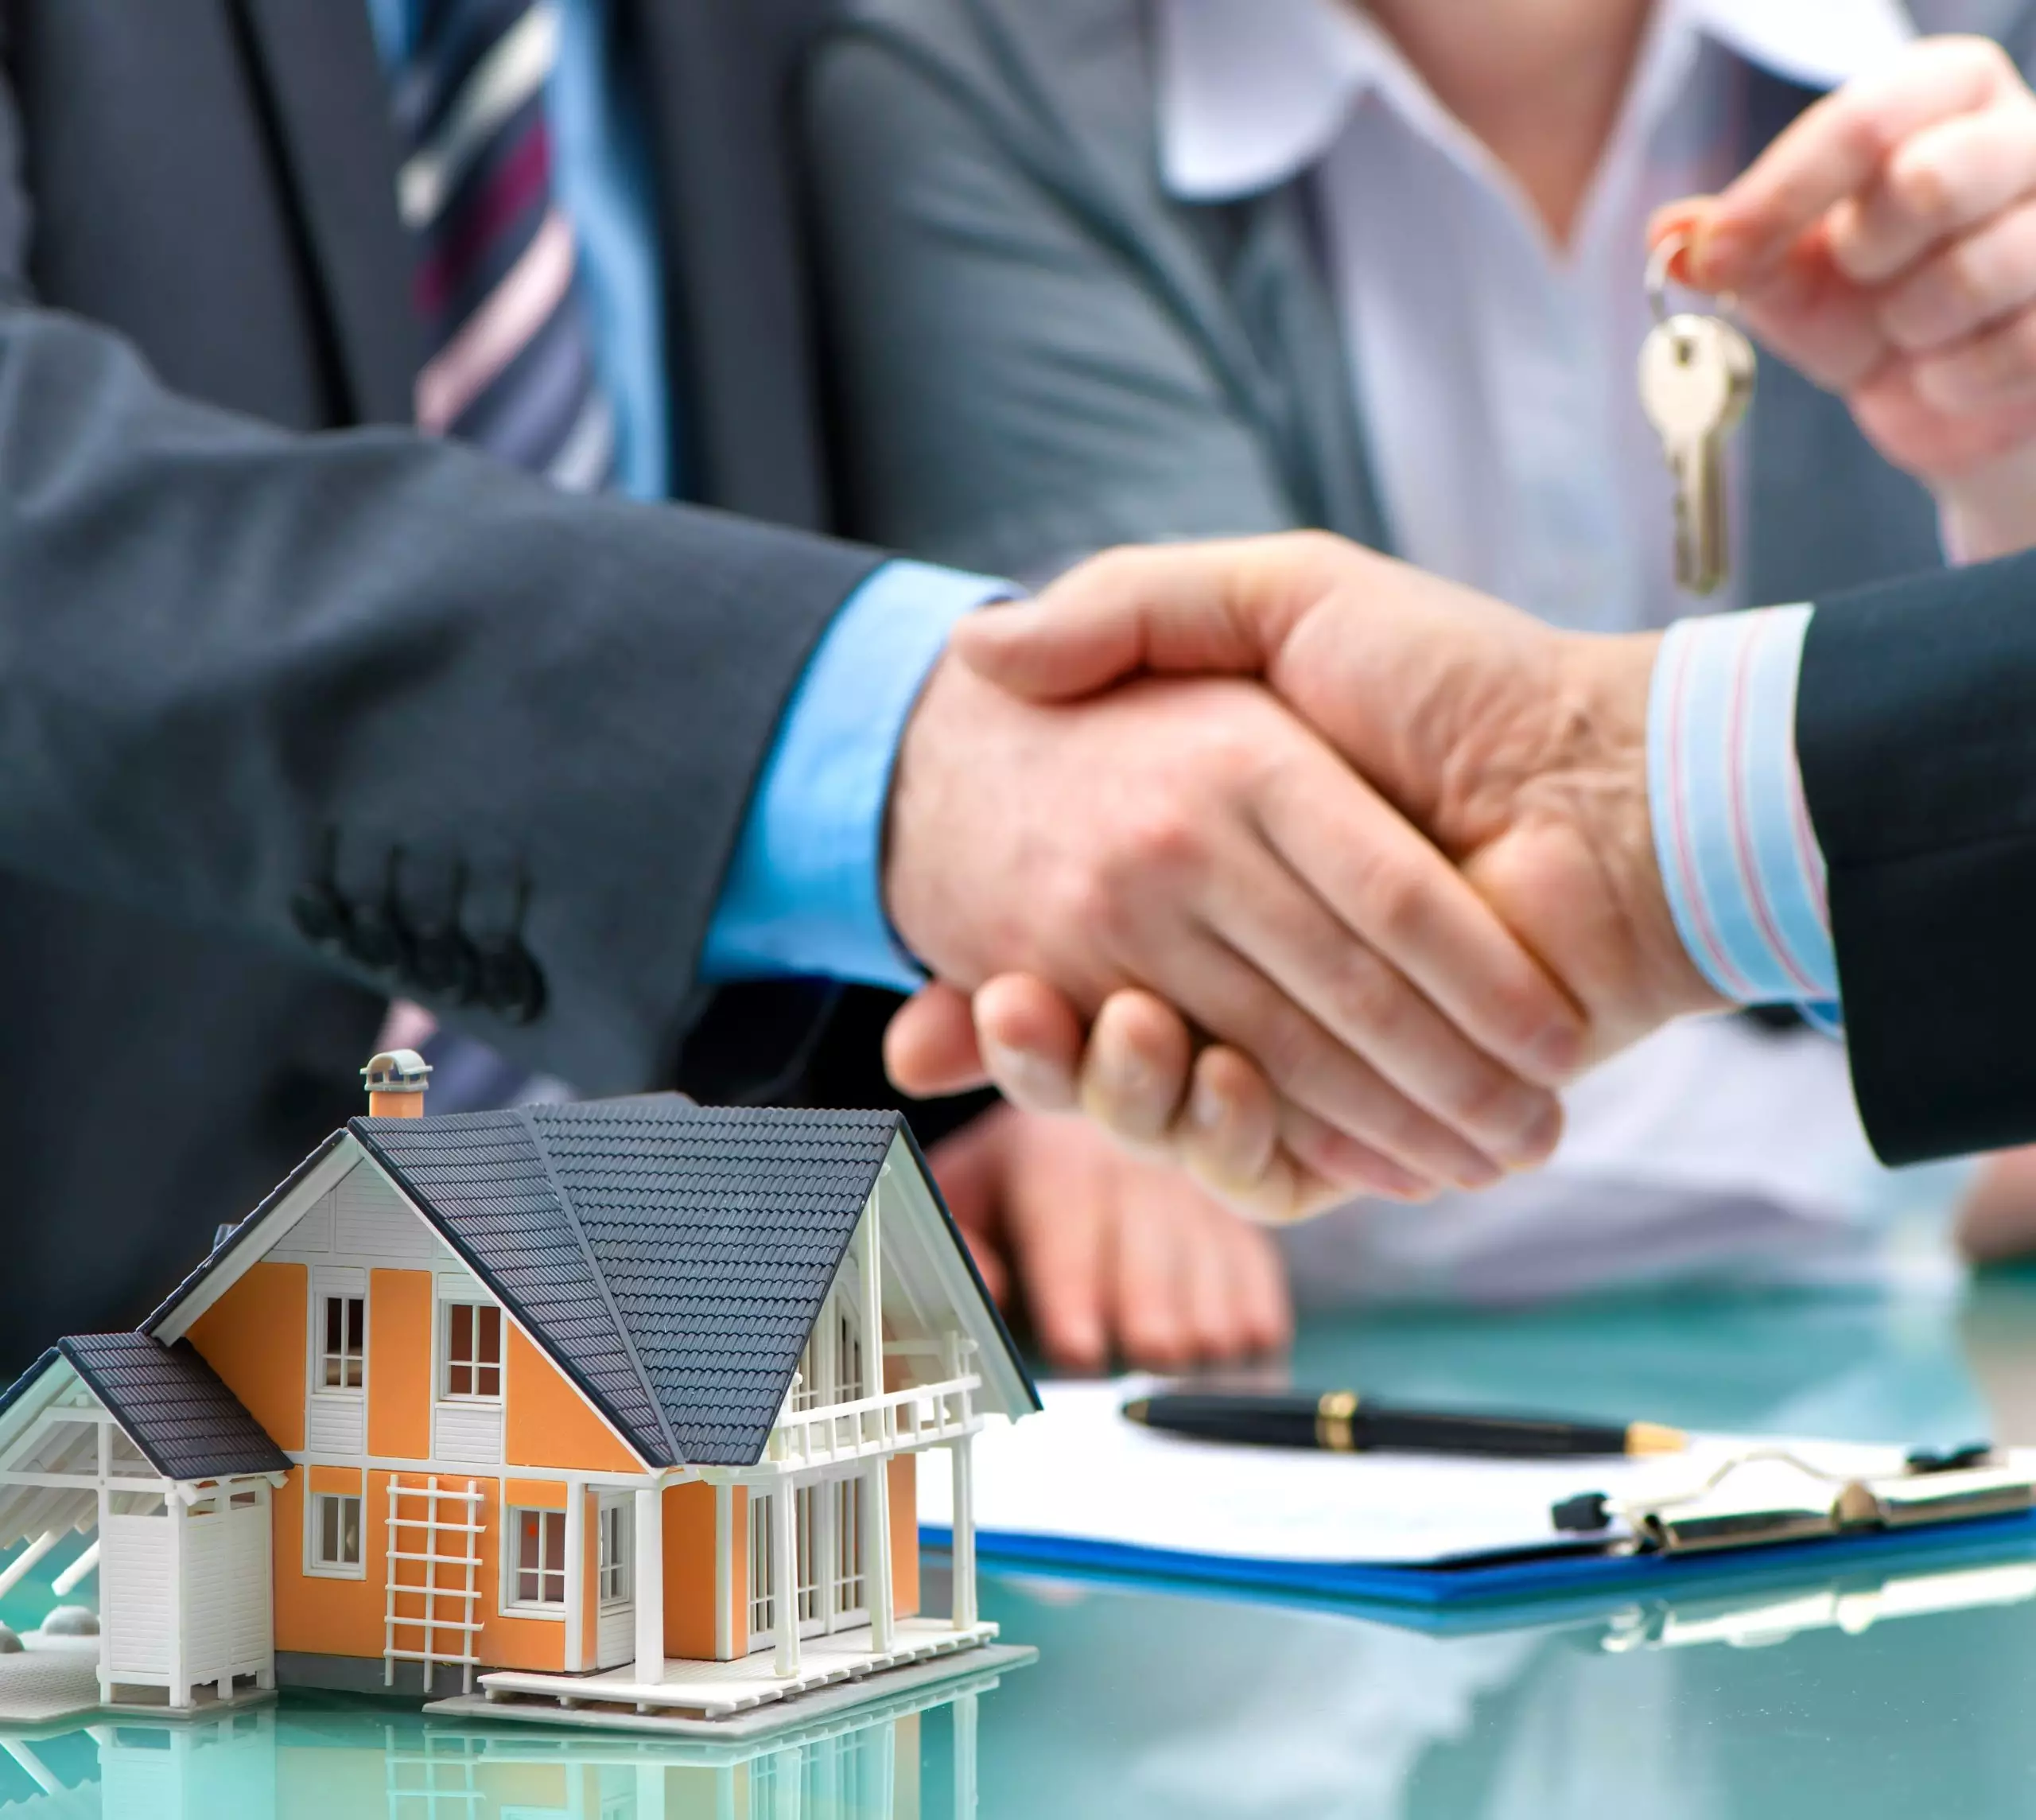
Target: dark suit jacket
{"type": "Point", "coordinates": [289, 721]}
{"type": "Point", "coordinates": [1915, 725]}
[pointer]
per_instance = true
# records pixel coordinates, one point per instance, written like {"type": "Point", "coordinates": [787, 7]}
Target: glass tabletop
{"type": "Point", "coordinates": [1909, 1700]}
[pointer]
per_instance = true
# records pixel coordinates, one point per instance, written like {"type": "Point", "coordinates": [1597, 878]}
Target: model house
{"type": "Point", "coordinates": [611, 1407]}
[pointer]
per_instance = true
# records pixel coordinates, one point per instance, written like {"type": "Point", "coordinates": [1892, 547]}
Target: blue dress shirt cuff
{"type": "Point", "coordinates": [1732, 832]}
{"type": "Point", "coordinates": [804, 896]}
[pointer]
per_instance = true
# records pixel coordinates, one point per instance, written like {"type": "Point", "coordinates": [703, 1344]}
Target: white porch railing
{"type": "Point", "coordinates": [923, 1415]}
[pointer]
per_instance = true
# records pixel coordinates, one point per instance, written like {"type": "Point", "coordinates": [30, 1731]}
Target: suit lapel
{"type": "Point", "coordinates": [331, 118]}
{"type": "Point", "coordinates": [716, 80]}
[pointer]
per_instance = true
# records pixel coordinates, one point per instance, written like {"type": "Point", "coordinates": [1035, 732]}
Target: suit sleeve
{"type": "Point", "coordinates": [1016, 396]}
{"type": "Point", "coordinates": [255, 682]}
{"type": "Point", "coordinates": [1916, 728]}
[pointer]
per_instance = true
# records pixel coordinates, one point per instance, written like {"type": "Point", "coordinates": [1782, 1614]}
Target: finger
{"type": "Point", "coordinates": [1816, 318]}
{"type": "Point", "coordinates": [1682, 219]}
{"type": "Point", "coordinates": [929, 1046]}
{"type": "Point", "coordinates": [1369, 1008]}
{"type": "Point", "coordinates": [1263, 1303]}
{"type": "Point", "coordinates": [1975, 282]}
{"type": "Point", "coordinates": [968, 1168]}
{"type": "Point", "coordinates": [1332, 1167]}
{"type": "Point", "coordinates": [1255, 1285]}
{"type": "Point", "coordinates": [1229, 1131]}
{"type": "Point", "coordinates": [1032, 1039]}
{"type": "Point", "coordinates": [1212, 1243]}
{"type": "Point", "coordinates": [1835, 147]}
{"type": "Point", "coordinates": [1196, 608]}
{"type": "Point", "coordinates": [1135, 1070]}
{"type": "Point", "coordinates": [1948, 179]}
{"type": "Point", "coordinates": [1148, 1283]}
{"type": "Point", "coordinates": [1061, 1254]}
{"type": "Point", "coordinates": [1993, 371]}
{"type": "Point", "coordinates": [1388, 886]}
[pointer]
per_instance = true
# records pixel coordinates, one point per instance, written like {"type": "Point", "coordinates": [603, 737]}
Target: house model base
{"type": "Point", "coordinates": [609, 1413]}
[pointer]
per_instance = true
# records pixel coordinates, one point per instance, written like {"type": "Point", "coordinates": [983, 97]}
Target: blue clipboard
{"type": "Point", "coordinates": [1585, 1570]}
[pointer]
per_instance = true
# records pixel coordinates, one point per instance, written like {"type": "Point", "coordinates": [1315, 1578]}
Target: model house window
{"type": "Point", "coordinates": [847, 1545]}
{"type": "Point", "coordinates": [540, 1556]}
{"type": "Point", "coordinates": [343, 1343]}
{"type": "Point", "coordinates": [615, 1552]}
{"type": "Point", "coordinates": [335, 1532]}
{"type": "Point", "coordinates": [473, 1351]}
{"type": "Point", "coordinates": [804, 1512]}
{"type": "Point", "coordinates": [848, 1356]}
{"type": "Point", "coordinates": [763, 1559]}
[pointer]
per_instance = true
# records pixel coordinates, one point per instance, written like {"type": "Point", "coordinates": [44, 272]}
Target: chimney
{"type": "Point", "coordinates": [396, 1080]}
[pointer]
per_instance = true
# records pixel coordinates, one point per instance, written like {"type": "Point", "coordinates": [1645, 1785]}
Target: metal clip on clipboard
{"type": "Point", "coordinates": [1814, 1505]}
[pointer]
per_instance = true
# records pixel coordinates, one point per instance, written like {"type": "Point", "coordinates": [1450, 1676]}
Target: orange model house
{"type": "Point", "coordinates": [600, 1409]}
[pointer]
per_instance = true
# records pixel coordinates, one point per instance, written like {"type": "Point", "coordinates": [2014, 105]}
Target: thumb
{"type": "Point", "coordinates": [1191, 609]}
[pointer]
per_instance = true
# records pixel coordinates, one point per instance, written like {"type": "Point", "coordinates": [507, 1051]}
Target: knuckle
{"type": "Point", "coordinates": [1400, 902]}
{"type": "Point", "coordinates": [1366, 997]}
{"type": "Point", "coordinates": [1921, 190]}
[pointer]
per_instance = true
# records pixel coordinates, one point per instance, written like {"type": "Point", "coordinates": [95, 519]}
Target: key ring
{"type": "Point", "coordinates": [1658, 262]}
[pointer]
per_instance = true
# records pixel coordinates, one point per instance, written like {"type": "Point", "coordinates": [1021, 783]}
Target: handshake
{"type": "Point", "coordinates": [1304, 867]}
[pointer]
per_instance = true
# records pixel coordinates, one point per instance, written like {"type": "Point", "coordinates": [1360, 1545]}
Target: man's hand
{"type": "Point", "coordinates": [1193, 838]}
{"type": "Point", "coordinates": [1885, 245]}
{"type": "Point", "coordinates": [1520, 750]}
{"type": "Point", "coordinates": [1112, 1256]}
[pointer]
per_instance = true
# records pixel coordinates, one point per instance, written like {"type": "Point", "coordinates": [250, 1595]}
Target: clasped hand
{"type": "Point", "coordinates": [1343, 928]}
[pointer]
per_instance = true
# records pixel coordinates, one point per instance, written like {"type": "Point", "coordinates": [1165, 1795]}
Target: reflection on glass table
{"type": "Point", "coordinates": [1904, 1696]}
{"type": "Point", "coordinates": [331, 1758]}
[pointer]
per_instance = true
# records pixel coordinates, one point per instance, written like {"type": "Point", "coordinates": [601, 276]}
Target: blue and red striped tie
{"type": "Point", "coordinates": [509, 360]}
{"type": "Point", "coordinates": [509, 357]}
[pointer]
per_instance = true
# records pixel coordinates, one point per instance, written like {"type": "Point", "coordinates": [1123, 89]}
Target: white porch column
{"type": "Point", "coordinates": [179, 1667]}
{"type": "Point", "coordinates": [876, 1553]}
{"type": "Point", "coordinates": [648, 1588]}
{"type": "Point", "coordinates": [107, 1616]}
{"type": "Point", "coordinates": [784, 1576]}
{"type": "Point", "coordinates": [960, 1453]}
{"type": "Point", "coordinates": [576, 1577]}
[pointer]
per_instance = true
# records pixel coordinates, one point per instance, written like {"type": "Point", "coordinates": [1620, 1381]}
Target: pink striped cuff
{"type": "Point", "coordinates": [1738, 852]}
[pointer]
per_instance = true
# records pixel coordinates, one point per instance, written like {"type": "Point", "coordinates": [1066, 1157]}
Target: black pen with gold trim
{"type": "Point", "coordinates": [1341, 1422]}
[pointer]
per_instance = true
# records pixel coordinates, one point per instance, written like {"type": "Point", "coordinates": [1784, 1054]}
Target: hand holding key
{"type": "Point", "coordinates": [1696, 376]}
{"type": "Point", "coordinates": [1885, 245]}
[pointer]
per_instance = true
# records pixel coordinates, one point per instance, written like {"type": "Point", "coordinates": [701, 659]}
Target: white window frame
{"type": "Point", "coordinates": [323, 1297]}
{"type": "Point", "coordinates": [318, 1568]}
{"type": "Point", "coordinates": [763, 1553]}
{"type": "Point", "coordinates": [615, 1553]}
{"type": "Point", "coordinates": [513, 1603]}
{"type": "Point", "coordinates": [448, 1308]}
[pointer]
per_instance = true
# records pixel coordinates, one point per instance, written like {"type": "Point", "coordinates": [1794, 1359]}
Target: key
{"type": "Point", "coordinates": [1696, 375]}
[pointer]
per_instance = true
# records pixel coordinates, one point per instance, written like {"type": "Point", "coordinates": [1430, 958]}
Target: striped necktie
{"type": "Point", "coordinates": [509, 359]}
{"type": "Point", "coordinates": [509, 362]}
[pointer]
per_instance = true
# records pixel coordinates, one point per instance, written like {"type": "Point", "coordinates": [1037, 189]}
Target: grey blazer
{"type": "Point", "coordinates": [1039, 353]}
{"type": "Point", "coordinates": [297, 711]}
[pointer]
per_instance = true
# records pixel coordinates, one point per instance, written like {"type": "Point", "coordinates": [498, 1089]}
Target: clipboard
{"type": "Point", "coordinates": [1072, 1492]}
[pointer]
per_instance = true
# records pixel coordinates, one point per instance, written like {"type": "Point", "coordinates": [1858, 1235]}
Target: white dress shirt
{"type": "Point", "coordinates": [1494, 371]}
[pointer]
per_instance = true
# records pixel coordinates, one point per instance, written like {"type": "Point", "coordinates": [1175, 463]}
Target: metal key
{"type": "Point", "coordinates": [1697, 375]}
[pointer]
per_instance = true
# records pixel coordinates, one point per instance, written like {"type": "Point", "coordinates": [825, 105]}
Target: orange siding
{"type": "Point", "coordinates": [344, 1480]}
{"type": "Point", "coordinates": [328, 1617]}
{"type": "Point", "coordinates": [690, 1572]}
{"type": "Point", "coordinates": [253, 1336]}
{"type": "Point", "coordinates": [903, 1491]}
{"type": "Point", "coordinates": [738, 1571]}
{"type": "Point", "coordinates": [548, 1422]}
{"type": "Point", "coordinates": [511, 1642]}
{"type": "Point", "coordinates": [399, 1364]}
{"type": "Point", "coordinates": [537, 1493]}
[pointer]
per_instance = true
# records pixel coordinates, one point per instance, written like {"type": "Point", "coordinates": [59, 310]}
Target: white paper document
{"type": "Point", "coordinates": [1080, 1472]}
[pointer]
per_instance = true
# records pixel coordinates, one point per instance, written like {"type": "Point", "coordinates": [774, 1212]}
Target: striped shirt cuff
{"type": "Point", "coordinates": [1732, 832]}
